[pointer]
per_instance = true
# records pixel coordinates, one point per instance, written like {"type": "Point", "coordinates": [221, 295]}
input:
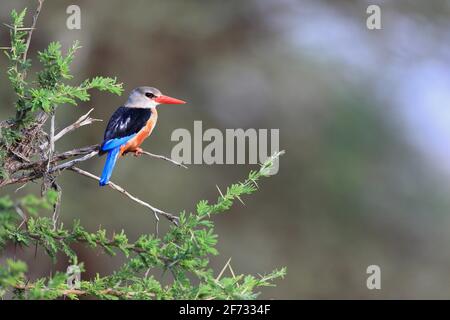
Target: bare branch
{"type": "Point", "coordinates": [223, 269]}
{"type": "Point", "coordinates": [39, 172]}
{"type": "Point", "coordinates": [21, 187]}
{"type": "Point", "coordinates": [19, 155]}
{"type": "Point", "coordinates": [39, 168]}
{"type": "Point", "coordinates": [157, 156]}
{"type": "Point", "coordinates": [57, 157]}
{"type": "Point", "coordinates": [17, 29]}
{"type": "Point", "coordinates": [89, 151]}
{"type": "Point", "coordinates": [52, 140]}
{"type": "Point", "coordinates": [21, 179]}
{"type": "Point", "coordinates": [75, 152]}
{"type": "Point", "coordinates": [172, 218]}
{"type": "Point", "coordinates": [57, 205]}
{"type": "Point", "coordinates": [71, 163]}
{"type": "Point", "coordinates": [82, 121]}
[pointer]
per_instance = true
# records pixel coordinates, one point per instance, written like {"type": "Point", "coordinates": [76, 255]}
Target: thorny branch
{"type": "Point", "coordinates": [87, 153]}
{"type": "Point", "coordinates": [172, 218]}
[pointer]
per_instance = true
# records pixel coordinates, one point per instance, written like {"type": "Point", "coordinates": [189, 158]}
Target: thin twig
{"type": "Point", "coordinates": [57, 205]}
{"type": "Point", "coordinates": [17, 29]}
{"type": "Point", "coordinates": [164, 158]}
{"type": "Point", "coordinates": [223, 269]}
{"type": "Point", "coordinates": [33, 26]}
{"type": "Point", "coordinates": [75, 152]}
{"type": "Point", "coordinates": [21, 187]}
{"type": "Point", "coordinates": [58, 157]}
{"type": "Point", "coordinates": [20, 212]}
{"type": "Point", "coordinates": [51, 149]}
{"type": "Point", "coordinates": [21, 179]}
{"type": "Point", "coordinates": [71, 163]}
{"type": "Point", "coordinates": [19, 155]}
{"type": "Point", "coordinates": [82, 121]}
{"type": "Point", "coordinates": [172, 218]}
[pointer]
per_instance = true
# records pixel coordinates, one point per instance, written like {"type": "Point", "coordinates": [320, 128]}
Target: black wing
{"type": "Point", "coordinates": [125, 122]}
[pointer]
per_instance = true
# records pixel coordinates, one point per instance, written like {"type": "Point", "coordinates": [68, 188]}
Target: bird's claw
{"type": "Point", "coordinates": [138, 152]}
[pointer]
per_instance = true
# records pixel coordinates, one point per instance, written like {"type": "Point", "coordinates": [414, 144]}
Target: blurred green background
{"type": "Point", "coordinates": [363, 115]}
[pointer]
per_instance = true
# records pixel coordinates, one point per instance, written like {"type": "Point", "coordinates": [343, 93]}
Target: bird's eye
{"type": "Point", "coordinates": [149, 95]}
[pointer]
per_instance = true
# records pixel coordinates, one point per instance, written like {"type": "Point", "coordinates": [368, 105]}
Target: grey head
{"type": "Point", "coordinates": [143, 97]}
{"type": "Point", "coordinates": [149, 97]}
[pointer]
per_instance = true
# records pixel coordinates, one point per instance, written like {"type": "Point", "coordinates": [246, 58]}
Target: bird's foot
{"type": "Point", "coordinates": [138, 152]}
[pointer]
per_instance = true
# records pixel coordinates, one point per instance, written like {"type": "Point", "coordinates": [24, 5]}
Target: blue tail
{"type": "Point", "coordinates": [109, 165]}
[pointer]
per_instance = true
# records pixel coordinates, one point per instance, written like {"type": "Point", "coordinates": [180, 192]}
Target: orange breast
{"type": "Point", "coordinates": [134, 143]}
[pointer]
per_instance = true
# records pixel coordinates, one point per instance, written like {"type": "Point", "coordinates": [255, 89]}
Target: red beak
{"type": "Point", "coordinates": [168, 100]}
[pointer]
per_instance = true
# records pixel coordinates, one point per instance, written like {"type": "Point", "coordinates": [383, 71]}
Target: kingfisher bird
{"type": "Point", "coordinates": [130, 125]}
